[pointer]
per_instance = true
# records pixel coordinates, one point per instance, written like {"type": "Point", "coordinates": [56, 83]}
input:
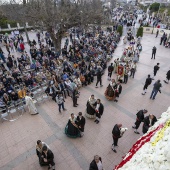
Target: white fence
{"type": "Point", "coordinates": [149, 30]}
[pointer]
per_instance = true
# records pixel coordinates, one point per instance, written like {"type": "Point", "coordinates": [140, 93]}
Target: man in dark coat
{"type": "Point", "coordinates": [139, 119]}
{"type": "Point", "coordinates": [96, 164]}
{"type": "Point", "coordinates": [99, 111]}
{"type": "Point", "coordinates": [155, 70]}
{"type": "Point", "coordinates": [116, 135]}
{"type": "Point", "coordinates": [167, 77]}
{"type": "Point", "coordinates": [153, 52]}
{"type": "Point", "coordinates": [148, 122]}
{"type": "Point", "coordinates": [99, 78]}
{"type": "Point", "coordinates": [156, 88]}
{"type": "Point", "coordinates": [75, 96]}
{"type": "Point", "coordinates": [118, 90]}
{"type": "Point", "coordinates": [147, 83]}
{"type": "Point", "coordinates": [81, 123]}
{"type": "Point", "coordinates": [110, 70]}
{"type": "Point", "coordinates": [48, 157]}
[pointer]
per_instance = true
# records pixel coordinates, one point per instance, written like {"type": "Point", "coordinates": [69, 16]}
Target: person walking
{"type": "Point", "coordinates": [60, 101]}
{"type": "Point", "coordinates": [96, 164]}
{"type": "Point", "coordinates": [99, 78]}
{"type": "Point", "coordinates": [153, 52]}
{"type": "Point", "coordinates": [147, 83]}
{"type": "Point", "coordinates": [126, 75]}
{"type": "Point", "coordinates": [155, 70]}
{"type": "Point", "coordinates": [133, 69]}
{"type": "Point", "coordinates": [48, 157]}
{"type": "Point", "coordinates": [110, 70]}
{"type": "Point", "coordinates": [167, 77]}
{"type": "Point", "coordinates": [30, 103]}
{"type": "Point", "coordinates": [156, 88]}
{"type": "Point", "coordinates": [81, 121]}
{"type": "Point", "coordinates": [140, 117]}
{"type": "Point", "coordinates": [116, 134]}
{"type": "Point", "coordinates": [157, 32]}
{"type": "Point", "coordinates": [99, 111]}
{"type": "Point", "coordinates": [75, 96]}
{"type": "Point", "coordinates": [39, 147]}
{"type": "Point", "coordinates": [148, 122]}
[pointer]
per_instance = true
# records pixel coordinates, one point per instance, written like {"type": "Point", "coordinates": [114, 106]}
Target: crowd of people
{"type": "Point", "coordinates": [61, 74]}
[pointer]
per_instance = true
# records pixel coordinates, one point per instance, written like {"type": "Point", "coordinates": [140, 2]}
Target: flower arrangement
{"type": "Point", "coordinates": [151, 151]}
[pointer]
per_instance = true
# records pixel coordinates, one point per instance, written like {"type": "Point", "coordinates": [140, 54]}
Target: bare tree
{"type": "Point", "coordinates": [56, 16]}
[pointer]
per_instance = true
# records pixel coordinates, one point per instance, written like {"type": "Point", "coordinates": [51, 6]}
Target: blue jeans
{"type": "Point", "coordinates": [153, 94]}
{"type": "Point", "coordinates": [61, 105]}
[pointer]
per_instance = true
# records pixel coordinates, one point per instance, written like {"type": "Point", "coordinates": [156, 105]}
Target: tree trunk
{"type": "Point", "coordinates": [56, 38]}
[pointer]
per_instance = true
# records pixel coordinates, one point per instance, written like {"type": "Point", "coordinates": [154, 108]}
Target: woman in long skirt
{"type": "Point", "coordinates": [71, 129]}
{"type": "Point", "coordinates": [91, 105]}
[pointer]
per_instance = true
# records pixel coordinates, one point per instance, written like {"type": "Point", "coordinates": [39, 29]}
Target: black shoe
{"type": "Point", "coordinates": [75, 106]}
{"type": "Point", "coordinates": [64, 109]}
{"type": "Point", "coordinates": [115, 100]}
{"type": "Point", "coordinates": [114, 150]}
{"type": "Point", "coordinates": [133, 127]}
{"type": "Point", "coordinates": [166, 82]}
{"type": "Point", "coordinates": [95, 120]}
{"type": "Point", "coordinates": [143, 94]}
{"type": "Point", "coordinates": [96, 87]}
{"type": "Point", "coordinates": [136, 132]}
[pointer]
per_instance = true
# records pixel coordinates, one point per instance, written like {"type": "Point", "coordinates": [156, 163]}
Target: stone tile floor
{"type": "Point", "coordinates": [18, 138]}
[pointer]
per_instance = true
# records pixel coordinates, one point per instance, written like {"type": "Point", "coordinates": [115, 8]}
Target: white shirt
{"type": "Point", "coordinates": [99, 165]}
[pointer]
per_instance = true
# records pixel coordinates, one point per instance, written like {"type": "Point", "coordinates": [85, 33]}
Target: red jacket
{"type": "Point", "coordinates": [22, 46]}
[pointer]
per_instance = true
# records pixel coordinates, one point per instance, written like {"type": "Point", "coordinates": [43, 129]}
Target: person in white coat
{"type": "Point", "coordinates": [31, 106]}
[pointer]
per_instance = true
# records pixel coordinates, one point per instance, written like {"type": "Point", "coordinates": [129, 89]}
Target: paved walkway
{"type": "Point", "coordinates": [18, 138]}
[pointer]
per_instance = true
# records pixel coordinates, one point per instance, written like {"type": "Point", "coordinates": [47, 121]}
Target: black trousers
{"type": "Point", "coordinates": [137, 123]}
{"type": "Point", "coordinates": [154, 73]}
{"type": "Point", "coordinates": [110, 74]}
{"type": "Point", "coordinates": [145, 86]}
{"type": "Point", "coordinates": [99, 80]}
{"type": "Point", "coordinates": [74, 101]}
{"type": "Point", "coordinates": [115, 141]}
{"type": "Point", "coordinates": [132, 73]}
{"type": "Point", "coordinates": [125, 79]}
{"type": "Point", "coordinates": [153, 55]}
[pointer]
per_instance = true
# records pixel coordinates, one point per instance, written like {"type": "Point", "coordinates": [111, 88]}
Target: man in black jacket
{"type": "Point", "coordinates": [147, 83]}
{"type": "Point", "coordinates": [167, 77]}
{"type": "Point", "coordinates": [118, 90]}
{"type": "Point", "coordinates": [116, 135]}
{"type": "Point", "coordinates": [48, 157]}
{"type": "Point", "coordinates": [155, 70]}
{"type": "Point", "coordinates": [75, 96]}
{"type": "Point", "coordinates": [139, 119]}
{"type": "Point", "coordinates": [153, 52]}
{"type": "Point", "coordinates": [99, 111]}
{"type": "Point", "coordinates": [81, 123]}
{"type": "Point", "coordinates": [99, 78]}
{"type": "Point", "coordinates": [110, 70]}
{"type": "Point", "coordinates": [148, 122]}
{"type": "Point", "coordinates": [96, 164]}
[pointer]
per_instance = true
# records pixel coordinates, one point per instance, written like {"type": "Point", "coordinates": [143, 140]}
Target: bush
{"type": "Point", "coordinates": [120, 30]}
{"type": "Point", "coordinates": [140, 32]}
{"type": "Point", "coordinates": [154, 7]}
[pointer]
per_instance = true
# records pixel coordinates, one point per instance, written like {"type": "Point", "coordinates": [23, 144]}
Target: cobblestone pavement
{"type": "Point", "coordinates": [18, 138]}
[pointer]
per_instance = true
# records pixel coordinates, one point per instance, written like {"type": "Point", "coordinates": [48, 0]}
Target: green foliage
{"type": "Point", "coordinates": [4, 21]}
{"type": "Point", "coordinates": [154, 7]}
{"type": "Point", "coordinates": [140, 32]}
{"type": "Point", "coordinates": [120, 30]}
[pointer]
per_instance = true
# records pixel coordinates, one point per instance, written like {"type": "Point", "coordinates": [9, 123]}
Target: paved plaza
{"type": "Point", "coordinates": [18, 138]}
